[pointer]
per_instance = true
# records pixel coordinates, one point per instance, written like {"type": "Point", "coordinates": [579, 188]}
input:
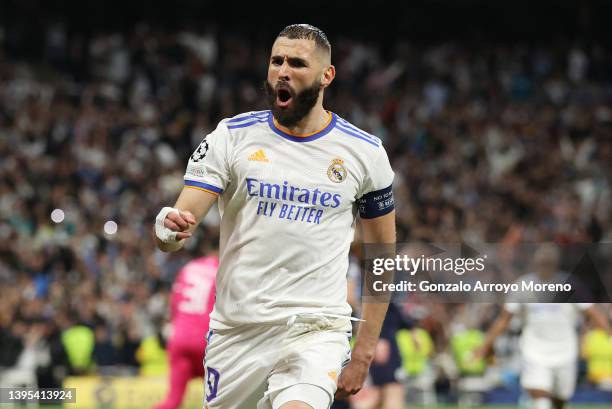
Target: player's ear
{"type": "Point", "coordinates": [328, 76]}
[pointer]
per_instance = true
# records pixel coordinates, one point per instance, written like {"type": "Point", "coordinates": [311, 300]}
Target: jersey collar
{"type": "Point", "coordinates": [308, 137]}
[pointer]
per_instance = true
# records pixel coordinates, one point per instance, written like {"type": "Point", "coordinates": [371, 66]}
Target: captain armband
{"type": "Point", "coordinates": [376, 204]}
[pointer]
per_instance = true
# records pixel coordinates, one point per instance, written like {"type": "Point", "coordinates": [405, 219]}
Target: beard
{"type": "Point", "coordinates": [300, 106]}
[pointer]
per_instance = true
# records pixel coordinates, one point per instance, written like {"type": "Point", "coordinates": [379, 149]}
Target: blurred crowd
{"type": "Point", "coordinates": [490, 143]}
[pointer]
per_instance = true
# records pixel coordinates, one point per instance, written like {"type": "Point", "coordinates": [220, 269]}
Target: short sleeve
{"type": "Point", "coordinates": [375, 196]}
{"type": "Point", "coordinates": [379, 174]}
{"type": "Point", "coordinates": [208, 168]}
{"type": "Point", "coordinates": [512, 307]}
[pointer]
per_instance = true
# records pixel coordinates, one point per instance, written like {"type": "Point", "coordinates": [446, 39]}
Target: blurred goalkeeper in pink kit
{"type": "Point", "coordinates": [192, 300]}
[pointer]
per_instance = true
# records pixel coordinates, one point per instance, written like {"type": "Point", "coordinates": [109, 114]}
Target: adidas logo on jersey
{"type": "Point", "coordinates": [259, 156]}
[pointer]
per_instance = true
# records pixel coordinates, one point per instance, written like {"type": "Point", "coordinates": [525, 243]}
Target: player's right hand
{"type": "Point", "coordinates": [180, 222]}
{"type": "Point", "coordinates": [172, 225]}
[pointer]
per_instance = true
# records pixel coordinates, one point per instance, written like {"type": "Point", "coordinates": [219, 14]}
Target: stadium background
{"type": "Point", "coordinates": [497, 119]}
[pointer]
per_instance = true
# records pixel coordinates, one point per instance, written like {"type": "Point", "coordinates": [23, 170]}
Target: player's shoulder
{"type": "Point", "coordinates": [355, 134]}
{"type": "Point", "coordinates": [246, 120]}
{"type": "Point", "coordinates": [527, 277]}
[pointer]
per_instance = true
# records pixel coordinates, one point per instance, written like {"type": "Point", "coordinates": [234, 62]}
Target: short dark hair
{"type": "Point", "coordinates": [308, 32]}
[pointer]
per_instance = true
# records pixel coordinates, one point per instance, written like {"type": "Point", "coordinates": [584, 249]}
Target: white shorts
{"type": "Point", "coordinates": [559, 381]}
{"type": "Point", "coordinates": [248, 367]}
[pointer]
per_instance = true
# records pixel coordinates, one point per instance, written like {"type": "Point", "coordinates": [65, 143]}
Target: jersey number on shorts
{"type": "Point", "coordinates": [212, 383]}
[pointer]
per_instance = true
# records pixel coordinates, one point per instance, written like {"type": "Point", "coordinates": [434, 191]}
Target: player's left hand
{"type": "Point", "coordinates": [352, 378]}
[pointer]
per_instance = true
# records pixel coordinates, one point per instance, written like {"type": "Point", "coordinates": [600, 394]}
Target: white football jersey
{"type": "Point", "coordinates": [288, 206]}
{"type": "Point", "coordinates": [549, 334]}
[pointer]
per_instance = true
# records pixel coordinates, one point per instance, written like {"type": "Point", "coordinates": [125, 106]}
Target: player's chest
{"type": "Point", "coordinates": [286, 169]}
{"type": "Point", "coordinates": [543, 313]}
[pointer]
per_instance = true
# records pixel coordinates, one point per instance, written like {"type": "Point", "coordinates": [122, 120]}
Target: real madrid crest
{"type": "Point", "coordinates": [336, 171]}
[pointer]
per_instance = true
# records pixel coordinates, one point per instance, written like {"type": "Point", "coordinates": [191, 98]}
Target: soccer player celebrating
{"type": "Point", "coordinates": [191, 301]}
{"type": "Point", "coordinates": [549, 340]}
{"type": "Point", "coordinates": [289, 183]}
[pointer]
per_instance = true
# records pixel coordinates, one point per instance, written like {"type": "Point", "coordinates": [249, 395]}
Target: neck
{"type": "Point", "coordinates": [316, 120]}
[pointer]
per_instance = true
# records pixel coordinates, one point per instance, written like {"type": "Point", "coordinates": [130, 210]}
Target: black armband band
{"type": "Point", "coordinates": [376, 204]}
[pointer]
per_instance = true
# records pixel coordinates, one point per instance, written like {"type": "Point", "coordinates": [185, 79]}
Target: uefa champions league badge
{"type": "Point", "coordinates": [201, 151]}
{"type": "Point", "coordinates": [336, 171]}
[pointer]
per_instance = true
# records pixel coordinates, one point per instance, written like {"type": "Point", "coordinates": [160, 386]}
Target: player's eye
{"type": "Point", "coordinates": [277, 61]}
{"type": "Point", "coordinates": [297, 63]}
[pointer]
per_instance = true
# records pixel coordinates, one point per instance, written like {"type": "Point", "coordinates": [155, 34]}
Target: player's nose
{"type": "Point", "coordinates": [284, 71]}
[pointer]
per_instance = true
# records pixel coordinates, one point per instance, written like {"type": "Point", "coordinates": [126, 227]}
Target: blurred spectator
{"type": "Point", "coordinates": [104, 352]}
{"type": "Point", "coordinates": [11, 343]}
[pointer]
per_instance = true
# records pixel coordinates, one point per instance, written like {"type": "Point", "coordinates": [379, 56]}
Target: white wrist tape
{"type": "Point", "coordinates": [162, 232]}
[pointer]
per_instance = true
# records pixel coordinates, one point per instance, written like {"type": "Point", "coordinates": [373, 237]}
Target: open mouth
{"type": "Point", "coordinates": [283, 97]}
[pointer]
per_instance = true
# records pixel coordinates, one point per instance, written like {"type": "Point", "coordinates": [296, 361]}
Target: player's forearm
{"type": "Point", "coordinates": [381, 231]}
{"type": "Point", "coordinates": [499, 327]}
{"type": "Point", "coordinates": [195, 202]}
{"type": "Point", "coordinates": [368, 332]}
